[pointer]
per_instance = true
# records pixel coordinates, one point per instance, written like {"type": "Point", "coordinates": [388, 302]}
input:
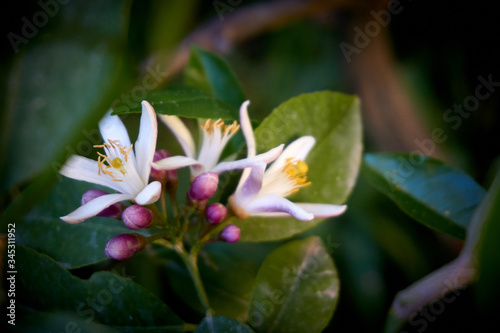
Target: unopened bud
{"type": "Point", "coordinates": [124, 246]}
{"type": "Point", "coordinates": [114, 211]}
{"type": "Point", "coordinates": [204, 186]}
{"type": "Point", "coordinates": [216, 213]}
{"type": "Point", "coordinates": [163, 176]}
{"type": "Point", "coordinates": [230, 234]}
{"type": "Point", "coordinates": [137, 217]}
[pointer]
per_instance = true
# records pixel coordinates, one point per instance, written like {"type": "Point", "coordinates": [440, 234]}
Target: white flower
{"type": "Point", "coordinates": [262, 192]}
{"type": "Point", "coordinates": [120, 168]}
{"type": "Point", "coordinates": [216, 135]}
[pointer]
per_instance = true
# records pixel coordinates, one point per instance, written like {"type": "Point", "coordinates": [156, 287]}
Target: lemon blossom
{"type": "Point", "coordinates": [216, 135]}
{"type": "Point", "coordinates": [262, 190]}
{"type": "Point", "coordinates": [123, 167]}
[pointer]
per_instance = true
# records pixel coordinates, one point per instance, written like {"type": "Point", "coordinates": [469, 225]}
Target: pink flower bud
{"type": "Point", "coordinates": [114, 211]}
{"type": "Point", "coordinates": [204, 186]}
{"type": "Point", "coordinates": [124, 246]}
{"type": "Point", "coordinates": [137, 217]}
{"type": "Point", "coordinates": [163, 176]}
{"type": "Point", "coordinates": [230, 234]}
{"type": "Point", "coordinates": [216, 213]}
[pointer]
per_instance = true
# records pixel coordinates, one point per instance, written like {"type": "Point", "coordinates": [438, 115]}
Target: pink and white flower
{"type": "Point", "coordinates": [262, 190]}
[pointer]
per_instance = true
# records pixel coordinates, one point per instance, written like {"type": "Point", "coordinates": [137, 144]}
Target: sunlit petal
{"type": "Point", "coordinates": [322, 210]}
{"type": "Point", "coordinates": [262, 205]}
{"type": "Point", "coordinates": [146, 141]}
{"type": "Point", "coordinates": [94, 207]}
{"type": "Point", "coordinates": [112, 128]}
{"type": "Point", "coordinates": [149, 194]}
{"type": "Point", "coordinates": [297, 150]}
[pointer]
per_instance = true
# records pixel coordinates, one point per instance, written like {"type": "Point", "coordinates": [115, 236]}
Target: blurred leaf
{"type": "Point", "coordinates": [487, 287]}
{"type": "Point", "coordinates": [106, 297]}
{"type": "Point", "coordinates": [208, 72]}
{"type": "Point", "coordinates": [43, 230]}
{"type": "Point", "coordinates": [60, 83]}
{"type": "Point", "coordinates": [296, 289]}
{"type": "Point", "coordinates": [182, 100]}
{"type": "Point", "coordinates": [437, 195]}
{"type": "Point", "coordinates": [334, 120]}
{"type": "Point", "coordinates": [221, 324]}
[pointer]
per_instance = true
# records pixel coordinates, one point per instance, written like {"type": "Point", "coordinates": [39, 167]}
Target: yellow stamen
{"type": "Point", "coordinates": [296, 170]}
{"type": "Point", "coordinates": [210, 125]}
{"type": "Point", "coordinates": [104, 163]}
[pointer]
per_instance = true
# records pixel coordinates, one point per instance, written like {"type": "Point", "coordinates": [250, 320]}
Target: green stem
{"type": "Point", "coordinates": [191, 265]}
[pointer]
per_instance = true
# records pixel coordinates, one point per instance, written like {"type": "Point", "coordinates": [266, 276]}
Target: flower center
{"type": "Point", "coordinates": [296, 171]}
{"type": "Point", "coordinates": [113, 163]}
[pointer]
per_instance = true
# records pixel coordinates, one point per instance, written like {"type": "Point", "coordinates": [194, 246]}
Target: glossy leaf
{"type": "Point", "coordinates": [487, 288]}
{"type": "Point", "coordinates": [182, 100]}
{"type": "Point", "coordinates": [296, 289]}
{"type": "Point", "coordinates": [105, 298]}
{"type": "Point", "coordinates": [437, 195]}
{"type": "Point", "coordinates": [222, 324]}
{"type": "Point", "coordinates": [43, 230]}
{"type": "Point", "coordinates": [208, 72]}
{"type": "Point", "coordinates": [61, 83]}
{"type": "Point", "coordinates": [334, 121]}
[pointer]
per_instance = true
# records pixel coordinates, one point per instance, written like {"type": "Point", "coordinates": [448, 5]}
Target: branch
{"type": "Point", "coordinates": [220, 35]}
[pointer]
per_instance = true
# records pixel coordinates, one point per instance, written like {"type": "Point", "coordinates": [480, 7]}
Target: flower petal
{"type": "Point", "coordinates": [176, 162]}
{"type": "Point", "coordinates": [298, 149]}
{"type": "Point", "coordinates": [263, 205]}
{"type": "Point", "coordinates": [322, 210]}
{"type": "Point", "coordinates": [266, 157]}
{"type": "Point", "coordinates": [150, 194]}
{"type": "Point", "coordinates": [247, 130]}
{"type": "Point", "coordinates": [248, 189]}
{"type": "Point", "coordinates": [82, 168]}
{"type": "Point", "coordinates": [112, 128]}
{"type": "Point", "coordinates": [94, 207]}
{"type": "Point", "coordinates": [181, 133]}
{"type": "Point", "coordinates": [146, 141]}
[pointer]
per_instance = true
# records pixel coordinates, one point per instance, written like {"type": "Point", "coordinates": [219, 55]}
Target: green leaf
{"type": "Point", "coordinates": [182, 100]}
{"type": "Point", "coordinates": [228, 273]}
{"type": "Point", "coordinates": [437, 195]}
{"type": "Point", "coordinates": [221, 324]}
{"type": "Point", "coordinates": [208, 72]}
{"type": "Point", "coordinates": [335, 122]}
{"type": "Point", "coordinates": [296, 289]}
{"type": "Point", "coordinates": [106, 298]}
{"type": "Point", "coordinates": [61, 82]}
{"type": "Point", "coordinates": [43, 230]}
{"type": "Point", "coordinates": [487, 287]}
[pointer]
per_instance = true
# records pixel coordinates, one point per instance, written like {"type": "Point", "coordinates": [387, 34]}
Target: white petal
{"type": "Point", "coordinates": [94, 207]}
{"type": "Point", "coordinates": [82, 168]}
{"type": "Point", "coordinates": [150, 194]}
{"type": "Point", "coordinates": [112, 128]}
{"type": "Point", "coordinates": [263, 205]}
{"type": "Point", "coordinates": [249, 162]}
{"type": "Point", "coordinates": [322, 210]}
{"type": "Point", "coordinates": [181, 133]}
{"type": "Point", "coordinates": [298, 149]}
{"type": "Point", "coordinates": [176, 162]}
{"type": "Point", "coordinates": [246, 128]}
{"type": "Point", "coordinates": [146, 141]}
{"type": "Point", "coordinates": [251, 186]}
